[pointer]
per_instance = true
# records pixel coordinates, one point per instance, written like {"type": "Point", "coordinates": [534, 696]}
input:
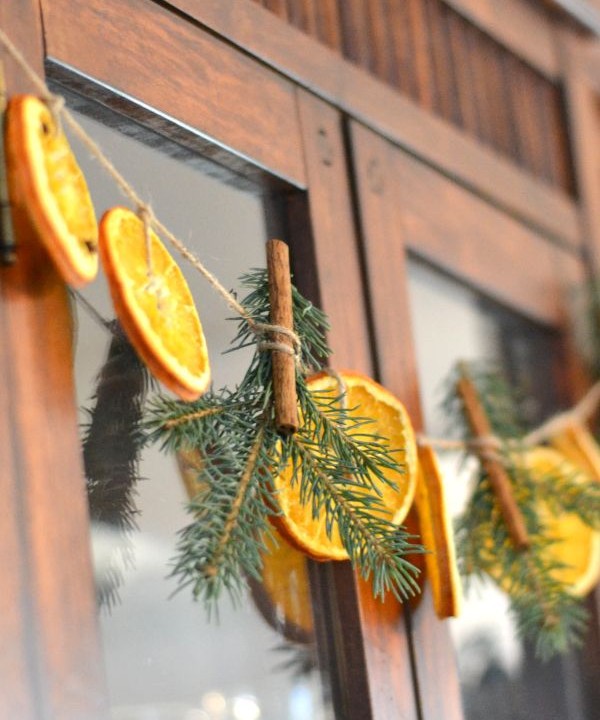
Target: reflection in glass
{"type": "Point", "coordinates": [164, 660]}
{"type": "Point", "coordinates": [499, 675]}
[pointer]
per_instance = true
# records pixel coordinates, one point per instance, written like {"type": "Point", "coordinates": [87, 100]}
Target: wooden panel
{"type": "Point", "coordinates": [476, 242]}
{"type": "Point", "coordinates": [19, 674]}
{"type": "Point", "coordinates": [359, 664]}
{"type": "Point", "coordinates": [51, 570]}
{"type": "Point", "coordinates": [381, 108]}
{"type": "Point", "coordinates": [156, 57]}
{"type": "Point", "coordinates": [381, 213]}
{"type": "Point", "coordinates": [583, 100]}
{"type": "Point", "coordinates": [400, 42]}
{"type": "Point", "coordinates": [518, 26]}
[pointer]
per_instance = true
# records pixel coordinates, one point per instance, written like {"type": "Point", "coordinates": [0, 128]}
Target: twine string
{"type": "Point", "coordinates": [56, 103]}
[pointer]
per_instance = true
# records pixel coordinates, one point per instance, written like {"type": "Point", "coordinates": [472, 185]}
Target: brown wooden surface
{"type": "Point", "coordinates": [395, 40]}
{"type": "Point", "coordinates": [583, 102]}
{"type": "Point", "coordinates": [452, 228]}
{"type": "Point", "coordinates": [138, 48]}
{"type": "Point", "coordinates": [326, 267]}
{"type": "Point", "coordinates": [47, 588]}
{"type": "Point", "coordinates": [380, 209]}
{"type": "Point", "coordinates": [260, 33]}
{"type": "Point", "coordinates": [525, 30]}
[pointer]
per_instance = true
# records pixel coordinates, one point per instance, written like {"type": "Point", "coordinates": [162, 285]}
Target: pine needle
{"type": "Point", "coordinates": [545, 612]}
{"type": "Point", "coordinates": [242, 454]}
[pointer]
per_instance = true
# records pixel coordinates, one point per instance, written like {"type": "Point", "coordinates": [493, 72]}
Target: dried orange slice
{"type": "Point", "coordinates": [577, 545]}
{"type": "Point", "coordinates": [156, 309]}
{"type": "Point", "coordinates": [44, 177]}
{"type": "Point", "coordinates": [437, 536]}
{"type": "Point", "coordinates": [391, 423]}
{"type": "Point", "coordinates": [578, 445]}
{"type": "Point", "coordinates": [283, 596]}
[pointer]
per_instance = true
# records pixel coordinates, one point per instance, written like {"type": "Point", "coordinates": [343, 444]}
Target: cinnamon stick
{"type": "Point", "coordinates": [499, 480]}
{"type": "Point", "coordinates": [284, 364]}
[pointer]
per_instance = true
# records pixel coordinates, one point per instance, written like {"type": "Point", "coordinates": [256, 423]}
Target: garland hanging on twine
{"type": "Point", "coordinates": [279, 442]}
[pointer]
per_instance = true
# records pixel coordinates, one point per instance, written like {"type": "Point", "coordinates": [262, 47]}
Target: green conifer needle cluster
{"type": "Point", "coordinates": [545, 612]}
{"type": "Point", "coordinates": [241, 454]}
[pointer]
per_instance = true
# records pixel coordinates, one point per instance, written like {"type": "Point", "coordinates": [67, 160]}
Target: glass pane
{"type": "Point", "coordinates": [164, 659]}
{"type": "Point", "coordinates": [499, 675]}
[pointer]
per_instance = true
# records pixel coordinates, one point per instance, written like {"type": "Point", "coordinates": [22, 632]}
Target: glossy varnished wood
{"type": "Point", "coordinates": [378, 106]}
{"type": "Point", "coordinates": [381, 212]}
{"type": "Point", "coordinates": [525, 30]}
{"type": "Point", "coordinates": [583, 99]}
{"type": "Point", "coordinates": [395, 40]}
{"type": "Point", "coordinates": [452, 228]}
{"type": "Point", "coordinates": [47, 587]}
{"type": "Point", "coordinates": [155, 57]}
{"type": "Point", "coordinates": [326, 265]}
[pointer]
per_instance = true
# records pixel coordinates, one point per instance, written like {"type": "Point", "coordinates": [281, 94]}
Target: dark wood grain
{"type": "Point", "coordinates": [472, 240]}
{"type": "Point", "coordinates": [53, 569]}
{"type": "Point", "coordinates": [583, 102]}
{"type": "Point", "coordinates": [380, 107]}
{"type": "Point", "coordinates": [188, 76]}
{"type": "Point", "coordinates": [19, 675]}
{"type": "Point", "coordinates": [339, 271]}
{"type": "Point", "coordinates": [423, 60]}
{"type": "Point", "coordinates": [514, 24]}
{"type": "Point", "coordinates": [326, 264]}
{"type": "Point", "coordinates": [381, 213]}
{"type": "Point", "coordinates": [329, 30]}
{"type": "Point", "coordinates": [356, 42]}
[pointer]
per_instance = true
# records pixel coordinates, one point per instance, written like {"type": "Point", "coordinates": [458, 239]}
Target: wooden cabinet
{"type": "Point", "coordinates": [437, 152]}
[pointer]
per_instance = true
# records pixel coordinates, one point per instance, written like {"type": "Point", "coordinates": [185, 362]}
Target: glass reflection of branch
{"type": "Point", "coordinates": [111, 450]}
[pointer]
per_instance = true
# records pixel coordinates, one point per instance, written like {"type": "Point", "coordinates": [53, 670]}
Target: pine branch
{"type": "Point", "coordinates": [234, 434]}
{"type": "Point", "coordinates": [545, 611]}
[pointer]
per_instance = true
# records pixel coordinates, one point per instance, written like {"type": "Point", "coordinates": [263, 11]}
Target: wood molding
{"type": "Point", "coordinates": [519, 27]}
{"type": "Point", "coordinates": [48, 608]}
{"type": "Point", "coordinates": [95, 39]}
{"type": "Point", "coordinates": [582, 91]}
{"type": "Point", "coordinates": [585, 12]}
{"type": "Point", "coordinates": [385, 252]}
{"type": "Point", "coordinates": [384, 110]}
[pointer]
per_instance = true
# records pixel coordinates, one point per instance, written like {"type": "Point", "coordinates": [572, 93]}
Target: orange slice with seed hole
{"type": "Point", "coordinates": [44, 177]}
{"type": "Point", "coordinates": [437, 536]}
{"type": "Point", "coordinates": [367, 399]}
{"type": "Point", "coordinates": [155, 308]}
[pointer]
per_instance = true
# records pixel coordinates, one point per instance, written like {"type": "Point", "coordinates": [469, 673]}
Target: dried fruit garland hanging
{"type": "Point", "coordinates": [532, 522]}
{"type": "Point", "coordinates": [330, 460]}
{"type": "Point", "coordinates": [255, 444]}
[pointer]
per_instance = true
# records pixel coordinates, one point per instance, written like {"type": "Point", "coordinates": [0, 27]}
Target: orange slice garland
{"type": "Point", "coordinates": [390, 421]}
{"type": "Point", "coordinates": [156, 308]}
{"type": "Point", "coordinates": [577, 545]}
{"type": "Point", "coordinates": [44, 177]}
{"type": "Point", "coordinates": [437, 536]}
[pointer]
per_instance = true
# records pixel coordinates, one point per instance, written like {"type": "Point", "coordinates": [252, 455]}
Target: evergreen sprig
{"type": "Point", "coordinates": [545, 612]}
{"type": "Point", "coordinates": [333, 458]}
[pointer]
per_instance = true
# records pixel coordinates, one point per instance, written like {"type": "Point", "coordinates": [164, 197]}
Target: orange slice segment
{"type": "Point", "coordinates": [577, 545]}
{"type": "Point", "coordinates": [365, 398]}
{"type": "Point", "coordinates": [578, 445]}
{"type": "Point", "coordinates": [437, 536]}
{"type": "Point", "coordinates": [44, 177]}
{"type": "Point", "coordinates": [283, 596]}
{"type": "Point", "coordinates": [156, 310]}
